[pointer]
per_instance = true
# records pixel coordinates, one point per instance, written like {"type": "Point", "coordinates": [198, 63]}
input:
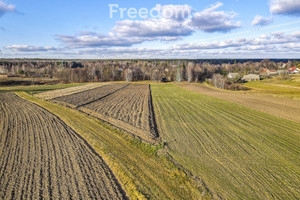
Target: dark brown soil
{"type": "Point", "coordinates": [42, 158]}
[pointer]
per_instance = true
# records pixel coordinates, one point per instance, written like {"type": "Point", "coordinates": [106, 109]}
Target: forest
{"type": "Point", "coordinates": [80, 71]}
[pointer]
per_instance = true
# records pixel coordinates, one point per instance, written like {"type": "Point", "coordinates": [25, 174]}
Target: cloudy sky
{"type": "Point", "coordinates": [149, 29]}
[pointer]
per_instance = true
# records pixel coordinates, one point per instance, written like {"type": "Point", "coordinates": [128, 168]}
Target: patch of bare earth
{"type": "Point", "coordinates": [281, 107]}
{"type": "Point", "coordinates": [42, 158]}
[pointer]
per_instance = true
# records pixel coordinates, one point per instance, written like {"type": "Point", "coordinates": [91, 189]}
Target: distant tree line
{"type": "Point", "coordinates": [135, 70]}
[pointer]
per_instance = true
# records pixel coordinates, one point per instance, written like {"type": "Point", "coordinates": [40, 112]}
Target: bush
{"type": "Point", "coordinates": [237, 87]}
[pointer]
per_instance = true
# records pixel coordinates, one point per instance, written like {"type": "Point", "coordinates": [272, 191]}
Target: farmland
{"type": "Point", "coordinates": [186, 145]}
{"type": "Point", "coordinates": [277, 88]}
{"type": "Point", "coordinates": [130, 107]}
{"type": "Point", "coordinates": [127, 106]}
{"type": "Point", "coordinates": [142, 169]}
{"type": "Point", "coordinates": [42, 157]}
{"type": "Point", "coordinates": [68, 91]}
{"type": "Point", "coordinates": [238, 152]}
{"type": "Point", "coordinates": [35, 89]}
{"type": "Point", "coordinates": [88, 96]}
{"type": "Point", "coordinates": [282, 107]}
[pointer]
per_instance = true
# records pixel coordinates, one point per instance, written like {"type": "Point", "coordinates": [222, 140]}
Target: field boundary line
{"type": "Point", "coordinates": [130, 129]}
{"type": "Point", "coordinates": [152, 120]}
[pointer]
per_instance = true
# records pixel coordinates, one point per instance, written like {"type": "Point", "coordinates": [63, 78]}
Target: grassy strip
{"type": "Point", "coordinates": [275, 87]}
{"type": "Point", "coordinates": [34, 89]}
{"type": "Point", "coordinates": [239, 153]}
{"type": "Point", "coordinates": [141, 168]}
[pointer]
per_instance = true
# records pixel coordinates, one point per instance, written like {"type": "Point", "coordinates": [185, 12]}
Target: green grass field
{"type": "Point", "coordinates": [34, 89]}
{"type": "Point", "coordinates": [238, 152]}
{"type": "Point", "coordinates": [143, 172]}
{"type": "Point", "coordinates": [276, 87]}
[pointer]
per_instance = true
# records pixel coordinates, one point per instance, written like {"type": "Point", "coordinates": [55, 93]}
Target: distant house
{"type": "Point", "coordinates": [268, 72]}
{"type": "Point", "coordinates": [251, 77]}
{"type": "Point", "coordinates": [265, 72]}
{"type": "Point", "coordinates": [294, 70]}
{"type": "Point", "coordinates": [233, 75]}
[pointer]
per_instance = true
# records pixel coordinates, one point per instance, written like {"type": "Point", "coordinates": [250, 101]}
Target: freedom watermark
{"type": "Point", "coordinates": [157, 12]}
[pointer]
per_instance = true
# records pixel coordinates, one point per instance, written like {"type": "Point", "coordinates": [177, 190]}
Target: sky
{"type": "Point", "coordinates": [131, 29]}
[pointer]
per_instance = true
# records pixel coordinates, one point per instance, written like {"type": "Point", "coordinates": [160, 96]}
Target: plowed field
{"type": "Point", "coordinates": [130, 108]}
{"type": "Point", "coordinates": [42, 158]}
{"type": "Point", "coordinates": [126, 106]}
{"type": "Point", "coordinates": [88, 96]}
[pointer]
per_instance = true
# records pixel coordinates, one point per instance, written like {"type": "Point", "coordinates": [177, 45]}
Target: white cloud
{"type": "Point", "coordinates": [83, 40]}
{"type": "Point", "coordinates": [152, 28]}
{"type": "Point", "coordinates": [287, 7]}
{"type": "Point", "coordinates": [28, 48]}
{"type": "Point", "coordinates": [277, 39]}
{"type": "Point", "coordinates": [175, 22]}
{"type": "Point", "coordinates": [296, 34]}
{"type": "Point", "coordinates": [175, 12]}
{"type": "Point", "coordinates": [210, 20]}
{"type": "Point", "coordinates": [261, 21]}
{"type": "Point", "coordinates": [4, 8]}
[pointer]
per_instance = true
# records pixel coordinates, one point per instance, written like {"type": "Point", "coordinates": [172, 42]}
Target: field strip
{"type": "Point", "coordinates": [43, 158]}
{"type": "Point", "coordinates": [86, 97]}
{"type": "Point", "coordinates": [142, 173]}
{"type": "Point", "coordinates": [281, 107]}
{"type": "Point", "coordinates": [136, 132]}
{"type": "Point", "coordinates": [102, 97]}
{"type": "Point", "coordinates": [126, 106]}
{"type": "Point", "coordinates": [129, 108]}
{"type": "Point", "coordinates": [68, 91]}
{"type": "Point", "coordinates": [239, 152]}
{"type": "Point", "coordinates": [284, 86]}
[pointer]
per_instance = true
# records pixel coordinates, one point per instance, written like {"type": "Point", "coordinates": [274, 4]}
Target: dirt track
{"type": "Point", "coordinates": [42, 158]}
{"type": "Point", "coordinates": [281, 107]}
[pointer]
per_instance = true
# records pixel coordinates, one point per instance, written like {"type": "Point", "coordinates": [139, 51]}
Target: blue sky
{"type": "Point", "coordinates": [184, 29]}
